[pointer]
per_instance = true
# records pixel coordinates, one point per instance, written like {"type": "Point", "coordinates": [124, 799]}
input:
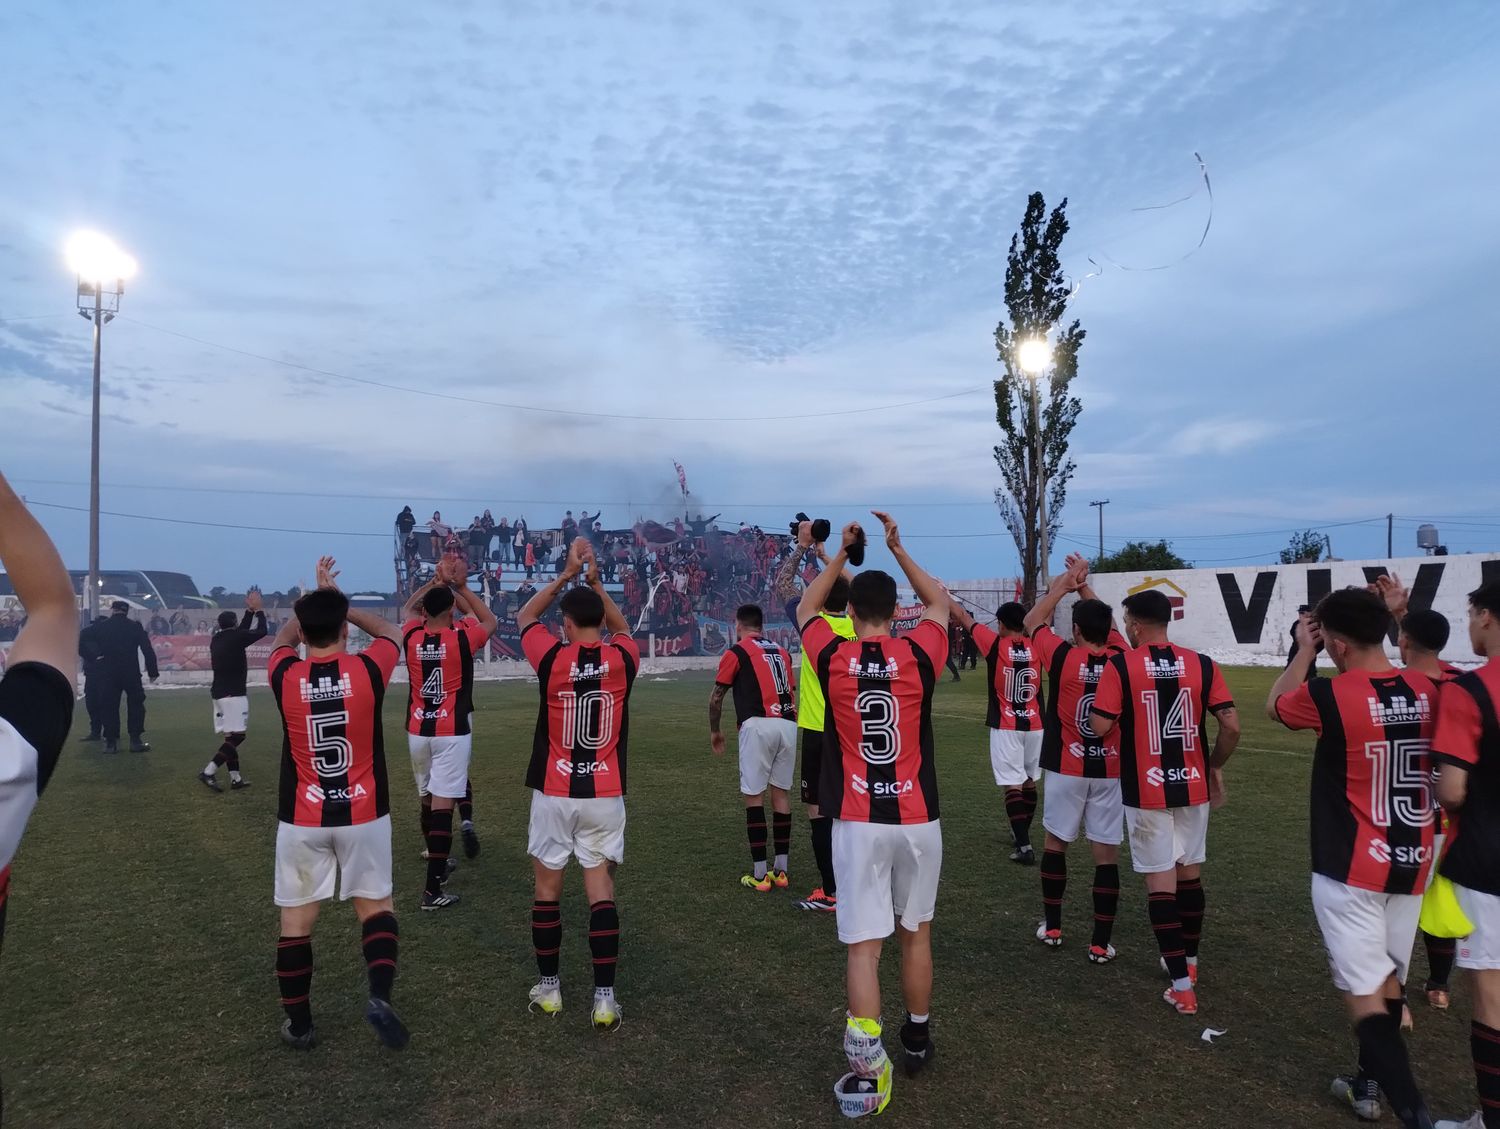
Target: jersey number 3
{"type": "Point", "coordinates": [879, 721]}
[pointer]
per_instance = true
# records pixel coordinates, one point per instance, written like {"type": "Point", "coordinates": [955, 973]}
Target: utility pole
{"type": "Point", "coordinates": [1101, 505]}
{"type": "Point", "coordinates": [1390, 531]}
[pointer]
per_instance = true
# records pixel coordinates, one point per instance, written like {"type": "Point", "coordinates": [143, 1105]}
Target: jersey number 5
{"type": "Point", "coordinates": [332, 754]}
{"type": "Point", "coordinates": [1399, 790]}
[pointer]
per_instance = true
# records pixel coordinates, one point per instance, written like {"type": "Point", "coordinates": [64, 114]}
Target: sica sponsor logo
{"type": "Point", "coordinates": [1156, 776]}
{"type": "Point", "coordinates": [881, 787]}
{"type": "Point", "coordinates": [565, 767]}
{"type": "Point", "coordinates": [319, 795]}
{"type": "Point", "coordinates": [1382, 852]}
{"type": "Point", "coordinates": [419, 714]}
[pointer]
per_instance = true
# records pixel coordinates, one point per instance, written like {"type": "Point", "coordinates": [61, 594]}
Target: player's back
{"type": "Point", "coordinates": [583, 723]}
{"type": "Point", "coordinates": [1014, 680]}
{"type": "Point", "coordinates": [1069, 744]}
{"type": "Point", "coordinates": [440, 676]}
{"type": "Point", "coordinates": [1468, 735]}
{"type": "Point", "coordinates": [333, 771]}
{"type": "Point", "coordinates": [1161, 694]}
{"type": "Point", "coordinates": [879, 717]}
{"type": "Point", "coordinates": [761, 679]}
{"type": "Point", "coordinates": [810, 704]}
{"type": "Point", "coordinates": [1372, 814]}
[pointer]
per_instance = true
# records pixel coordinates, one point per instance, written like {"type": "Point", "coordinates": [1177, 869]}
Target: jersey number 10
{"type": "Point", "coordinates": [588, 719]}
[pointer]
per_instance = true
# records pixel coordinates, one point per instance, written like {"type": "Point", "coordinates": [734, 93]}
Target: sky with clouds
{"type": "Point", "coordinates": [694, 231]}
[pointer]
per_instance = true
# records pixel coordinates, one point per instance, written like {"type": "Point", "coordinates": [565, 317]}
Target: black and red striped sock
{"type": "Point", "coordinates": [1054, 883]}
{"type": "Point", "coordinates": [1020, 821]}
{"type": "Point", "coordinates": [1440, 954]}
{"type": "Point", "coordinates": [546, 936]}
{"type": "Point", "coordinates": [1028, 802]}
{"type": "Point", "coordinates": [604, 942]}
{"type": "Point", "coordinates": [1190, 903]}
{"type": "Point", "coordinates": [439, 843]}
{"type": "Point", "coordinates": [781, 832]}
{"type": "Point", "coordinates": [1167, 924]}
{"type": "Point", "coordinates": [466, 805]}
{"type": "Point", "coordinates": [755, 831]}
{"type": "Point", "coordinates": [1106, 903]}
{"type": "Point", "coordinates": [1484, 1044]}
{"type": "Point", "coordinates": [294, 972]}
{"type": "Point", "coordinates": [381, 940]}
{"type": "Point", "coordinates": [424, 817]}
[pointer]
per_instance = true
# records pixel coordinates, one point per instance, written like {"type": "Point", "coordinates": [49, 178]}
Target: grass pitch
{"type": "Point", "coordinates": [137, 984]}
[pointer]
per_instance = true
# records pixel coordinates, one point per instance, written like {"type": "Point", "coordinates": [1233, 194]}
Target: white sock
{"type": "Point", "coordinates": [1192, 962]}
{"type": "Point", "coordinates": [1183, 985]}
{"type": "Point", "coordinates": [551, 982]}
{"type": "Point", "coordinates": [760, 871]}
{"type": "Point", "coordinates": [781, 862]}
{"type": "Point", "coordinates": [234, 775]}
{"type": "Point", "coordinates": [918, 1018]}
{"type": "Point", "coordinates": [604, 994]}
{"type": "Point", "coordinates": [211, 769]}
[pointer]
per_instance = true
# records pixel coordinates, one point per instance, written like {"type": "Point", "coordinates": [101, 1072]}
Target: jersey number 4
{"type": "Point", "coordinates": [432, 687]}
{"type": "Point", "coordinates": [1400, 789]}
{"type": "Point", "coordinates": [1177, 725]}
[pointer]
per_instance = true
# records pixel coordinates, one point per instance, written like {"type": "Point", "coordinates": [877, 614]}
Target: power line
{"type": "Point", "coordinates": [547, 411]}
{"type": "Point", "coordinates": [208, 524]}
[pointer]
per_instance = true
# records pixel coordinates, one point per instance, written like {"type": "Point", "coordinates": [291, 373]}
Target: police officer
{"type": "Point", "coordinates": [122, 643]}
{"type": "Point", "coordinates": [93, 677]}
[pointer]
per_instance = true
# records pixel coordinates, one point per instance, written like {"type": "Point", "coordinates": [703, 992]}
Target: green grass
{"type": "Point", "coordinates": [137, 989]}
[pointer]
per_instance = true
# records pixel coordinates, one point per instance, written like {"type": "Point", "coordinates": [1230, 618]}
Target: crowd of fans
{"type": "Point", "coordinates": [681, 569]}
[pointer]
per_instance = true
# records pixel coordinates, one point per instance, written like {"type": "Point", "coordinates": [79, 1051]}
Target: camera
{"type": "Point", "coordinates": [821, 527]}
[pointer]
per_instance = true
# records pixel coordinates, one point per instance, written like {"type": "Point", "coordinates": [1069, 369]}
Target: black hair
{"type": "Point", "coordinates": [750, 615]}
{"type": "Point", "coordinates": [1487, 597]}
{"type": "Point", "coordinates": [1355, 614]}
{"type": "Point", "coordinates": [583, 606]}
{"type": "Point", "coordinates": [1012, 616]}
{"type": "Point", "coordinates": [226, 620]}
{"type": "Point", "coordinates": [1149, 606]}
{"type": "Point", "coordinates": [838, 596]}
{"type": "Point", "coordinates": [437, 600]}
{"type": "Point", "coordinates": [1093, 619]}
{"type": "Point", "coordinates": [321, 614]}
{"type": "Point", "coordinates": [1427, 629]}
{"type": "Point", "coordinates": [872, 596]}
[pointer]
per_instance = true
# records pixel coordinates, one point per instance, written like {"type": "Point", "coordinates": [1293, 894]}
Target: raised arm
{"type": "Point", "coordinates": [614, 619]}
{"type": "Point", "coordinates": [815, 595]}
{"type": "Point", "coordinates": [785, 587]}
{"type": "Point", "coordinates": [42, 585]}
{"type": "Point", "coordinates": [1309, 638]}
{"type": "Point", "coordinates": [474, 606]}
{"type": "Point", "coordinates": [539, 603]}
{"type": "Point", "coordinates": [960, 614]}
{"type": "Point", "coordinates": [932, 594]}
{"type": "Point", "coordinates": [413, 608]}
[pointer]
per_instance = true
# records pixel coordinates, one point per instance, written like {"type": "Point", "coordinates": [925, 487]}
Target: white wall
{"type": "Point", "coordinates": [1244, 615]}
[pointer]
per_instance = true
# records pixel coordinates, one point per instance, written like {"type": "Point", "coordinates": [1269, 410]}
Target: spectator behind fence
{"type": "Point", "coordinates": [406, 521]}
{"type": "Point", "coordinates": [159, 624]}
{"type": "Point", "coordinates": [440, 531]}
{"type": "Point", "coordinates": [502, 532]}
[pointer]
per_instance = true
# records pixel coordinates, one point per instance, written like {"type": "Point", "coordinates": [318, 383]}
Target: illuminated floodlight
{"type": "Point", "coordinates": [1034, 355]}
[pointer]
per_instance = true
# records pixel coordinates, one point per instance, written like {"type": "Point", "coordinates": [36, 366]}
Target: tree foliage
{"type": "Point", "coordinates": [1140, 556]}
{"type": "Point", "coordinates": [1306, 547]}
{"type": "Point", "coordinates": [1036, 297]}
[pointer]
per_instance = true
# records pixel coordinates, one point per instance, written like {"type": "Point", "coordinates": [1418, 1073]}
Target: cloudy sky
{"type": "Point", "coordinates": [525, 254]}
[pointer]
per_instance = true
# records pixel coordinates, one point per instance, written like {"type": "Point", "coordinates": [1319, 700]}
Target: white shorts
{"type": "Point", "coordinates": [1016, 757]}
{"type": "Point", "coordinates": [308, 857]}
{"type": "Point", "coordinates": [1161, 838]}
{"type": "Point", "coordinates": [1074, 803]}
{"type": "Point", "coordinates": [885, 871]}
{"type": "Point", "coordinates": [441, 764]}
{"type": "Point", "coordinates": [231, 715]}
{"type": "Point", "coordinates": [1480, 950]}
{"type": "Point", "coordinates": [592, 830]}
{"type": "Point", "coordinates": [1368, 934]}
{"type": "Point", "coordinates": [768, 754]}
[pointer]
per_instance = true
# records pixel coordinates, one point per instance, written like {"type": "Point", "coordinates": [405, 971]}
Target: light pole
{"type": "Point", "coordinates": [102, 269]}
{"type": "Point", "coordinates": [1035, 356]}
{"type": "Point", "coordinates": [1101, 506]}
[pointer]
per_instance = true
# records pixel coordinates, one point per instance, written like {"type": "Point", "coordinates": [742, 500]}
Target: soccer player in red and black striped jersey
{"type": "Point", "coordinates": [1372, 828]}
{"type": "Point", "coordinates": [1466, 748]}
{"type": "Point", "coordinates": [880, 788]}
{"type": "Point", "coordinates": [1014, 716]}
{"type": "Point", "coordinates": [1420, 638]}
{"type": "Point", "coordinates": [577, 771]}
{"type": "Point", "coordinates": [1082, 770]}
{"type": "Point", "coordinates": [759, 672]}
{"type": "Point", "coordinates": [440, 671]}
{"type": "Point", "coordinates": [36, 692]}
{"type": "Point", "coordinates": [335, 801]}
{"type": "Point", "coordinates": [1159, 695]}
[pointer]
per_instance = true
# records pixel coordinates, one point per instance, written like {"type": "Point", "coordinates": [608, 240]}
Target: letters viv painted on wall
{"type": "Point", "coordinates": [1245, 615]}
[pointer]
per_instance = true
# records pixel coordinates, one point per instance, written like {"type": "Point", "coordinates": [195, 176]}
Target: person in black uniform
{"type": "Point", "coordinates": [122, 644]}
{"type": "Point", "coordinates": [231, 695]}
{"type": "Point", "coordinates": [93, 678]}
